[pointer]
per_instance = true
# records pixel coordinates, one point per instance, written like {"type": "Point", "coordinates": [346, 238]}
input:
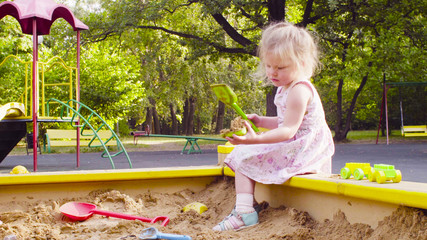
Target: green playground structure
{"type": "Point", "coordinates": [95, 141]}
{"type": "Point", "coordinates": [193, 146]}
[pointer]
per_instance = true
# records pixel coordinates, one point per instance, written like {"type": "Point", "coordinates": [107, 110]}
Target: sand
{"type": "Point", "coordinates": [42, 220]}
{"type": "Point", "coordinates": [237, 126]}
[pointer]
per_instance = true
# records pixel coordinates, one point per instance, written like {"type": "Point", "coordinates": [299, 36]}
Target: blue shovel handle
{"type": "Point", "coordinates": [153, 233]}
{"type": "Point", "coordinates": [172, 236]}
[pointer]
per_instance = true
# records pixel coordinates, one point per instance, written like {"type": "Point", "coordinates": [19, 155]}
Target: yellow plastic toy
{"type": "Point", "coordinates": [384, 172]}
{"type": "Point", "coordinates": [19, 170]}
{"type": "Point", "coordinates": [196, 206]}
{"type": "Point", "coordinates": [358, 170]}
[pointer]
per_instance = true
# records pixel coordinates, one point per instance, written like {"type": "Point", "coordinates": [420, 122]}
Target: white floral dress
{"type": "Point", "coordinates": [309, 151]}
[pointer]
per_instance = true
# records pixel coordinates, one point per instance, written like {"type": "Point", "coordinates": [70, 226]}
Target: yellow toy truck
{"type": "Point", "coordinates": [383, 172]}
{"type": "Point", "coordinates": [358, 170]}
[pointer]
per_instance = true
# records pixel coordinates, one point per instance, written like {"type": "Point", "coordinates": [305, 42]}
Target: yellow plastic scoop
{"type": "Point", "coordinates": [196, 206]}
{"type": "Point", "coordinates": [228, 97]}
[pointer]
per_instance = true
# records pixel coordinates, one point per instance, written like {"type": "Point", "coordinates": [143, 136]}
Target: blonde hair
{"type": "Point", "coordinates": [288, 42]}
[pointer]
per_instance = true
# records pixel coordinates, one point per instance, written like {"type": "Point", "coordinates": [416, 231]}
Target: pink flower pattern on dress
{"type": "Point", "coordinates": [309, 151]}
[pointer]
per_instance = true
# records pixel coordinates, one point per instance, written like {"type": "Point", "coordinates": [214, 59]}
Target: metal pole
{"type": "Point", "coordinates": [401, 111]}
{"type": "Point", "coordinates": [382, 109]}
{"type": "Point", "coordinates": [35, 92]}
{"type": "Point", "coordinates": [381, 115]}
{"type": "Point", "coordinates": [78, 96]}
{"type": "Point", "coordinates": [386, 112]}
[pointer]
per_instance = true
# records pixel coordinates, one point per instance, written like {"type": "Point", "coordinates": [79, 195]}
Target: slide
{"type": "Point", "coordinates": [12, 109]}
{"type": "Point", "coordinates": [11, 132]}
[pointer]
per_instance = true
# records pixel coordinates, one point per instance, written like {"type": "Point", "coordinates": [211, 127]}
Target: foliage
{"type": "Point", "coordinates": [363, 42]}
{"type": "Point", "coordinates": [172, 50]}
{"type": "Point", "coordinates": [111, 84]}
{"type": "Point", "coordinates": [12, 71]}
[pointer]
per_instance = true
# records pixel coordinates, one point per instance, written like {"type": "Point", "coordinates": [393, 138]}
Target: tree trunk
{"type": "Point", "coordinates": [276, 10]}
{"type": "Point", "coordinates": [342, 133]}
{"type": "Point", "coordinates": [149, 119]}
{"type": "Point", "coordinates": [185, 116]}
{"type": "Point", "coordinates": [190, 120]}
{"type": "Point", "coordinates": [156, 122]}
{"type": "Point", "coordinates": [174, 120]}
{"type": "Point", "coordinates": [276, 13]}
{"type": "Point", "coordinates": [338, 128]}
{"type": "Point", "coordinates": [164, 126]}
{"type": "Point", "coordinates": [271, 107]}
{"type": "Point", "coordinates": [220, 117]}
{"type": "Point", "coordinates": [198, 125]}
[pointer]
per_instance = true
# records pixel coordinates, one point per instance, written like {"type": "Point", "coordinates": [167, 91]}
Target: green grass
{"type": "Point", "coordinates": [371, 136]}
{"type": "Point", "coordinates": [367, 135]}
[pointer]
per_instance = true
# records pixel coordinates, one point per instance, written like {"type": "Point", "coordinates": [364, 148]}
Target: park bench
{"type": "Point", "coordinates": [193, 146]}
{"type": "Point", "coordinates": [137, 134]}
{"type": "Point", "coordinates": [68, 138]}
{"type": "Point", "coordinates": [414, 131]}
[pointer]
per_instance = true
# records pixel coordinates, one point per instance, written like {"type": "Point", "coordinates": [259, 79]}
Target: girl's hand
{"type": "Point", "coordinates": [254, 118]}
{"type": "Point", "coordinates": [249, 138]}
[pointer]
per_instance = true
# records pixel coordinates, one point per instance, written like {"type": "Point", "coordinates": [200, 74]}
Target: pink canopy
{"type": "Point", "coordinates": [45, 12]}
{"type": "Point", "coordinates": [36, 17]}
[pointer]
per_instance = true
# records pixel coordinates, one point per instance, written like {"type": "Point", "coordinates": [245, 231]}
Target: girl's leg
{"type": "Point", "coordinates": [244, 215]}
{"type": "Point", "coordinates": [244, 184]}
{"type": "Point", "coordinates": [244, 193]}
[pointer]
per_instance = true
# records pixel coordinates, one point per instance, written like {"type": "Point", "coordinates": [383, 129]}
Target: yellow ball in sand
{"type": "Point", "coordinates": [19, 170]}
{"type": "Point", "coordinates": [196, 206]}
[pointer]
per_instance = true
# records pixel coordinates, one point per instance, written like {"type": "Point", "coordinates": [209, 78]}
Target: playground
{"type": "Point", "coordinates": [309, 206]}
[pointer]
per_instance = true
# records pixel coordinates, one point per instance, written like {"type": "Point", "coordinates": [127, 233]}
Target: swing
{"type": "Point", "coordinates": [414, 131]}
{"type": "Point", "coordinates": [408, 130]}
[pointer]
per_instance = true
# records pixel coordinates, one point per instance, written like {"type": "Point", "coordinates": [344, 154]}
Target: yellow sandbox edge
{"type": "Point", "coordinates": [404, 193]}
{"type": "Point", "coordinates": [109, 175]}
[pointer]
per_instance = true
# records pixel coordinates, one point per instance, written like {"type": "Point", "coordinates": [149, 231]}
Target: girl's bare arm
{"type": "Point", "coordinates": [297, 102]}
{"type": "Point", "coordinates": [263, 121]}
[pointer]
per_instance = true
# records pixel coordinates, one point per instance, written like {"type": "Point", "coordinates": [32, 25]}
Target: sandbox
{"type": "Point", "coordinates": [306, 207]}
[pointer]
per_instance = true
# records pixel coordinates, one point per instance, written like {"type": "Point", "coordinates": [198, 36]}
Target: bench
{"type": "Point", "coordinates": [191, 141]}
{"type": "Point", "coordinates": [137, 134]}
{"type": "Point", "coordinates": [414, 131]}
{"type": "Point", "coordinates": [68, 138]}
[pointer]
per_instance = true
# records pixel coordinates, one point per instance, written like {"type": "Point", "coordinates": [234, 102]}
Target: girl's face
{"type": "Point", "coordinates": [280, 73]}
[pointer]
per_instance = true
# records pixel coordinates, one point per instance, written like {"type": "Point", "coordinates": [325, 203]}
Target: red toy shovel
{"type": "Point", "coordinates": [79, 211]}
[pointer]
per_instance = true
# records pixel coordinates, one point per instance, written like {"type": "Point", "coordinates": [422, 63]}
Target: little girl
{"type": "Point", "coordinates": [299, 140]}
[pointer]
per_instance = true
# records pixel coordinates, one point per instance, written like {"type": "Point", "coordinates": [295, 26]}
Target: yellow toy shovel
{"type": "Point", "coordinates": [227, 96]}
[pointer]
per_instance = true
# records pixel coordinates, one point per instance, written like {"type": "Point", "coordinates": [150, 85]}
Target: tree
{"type": "Point", "coordinates": [236, 28]}
{"type": "Point", "coordinates": [359, 34]}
